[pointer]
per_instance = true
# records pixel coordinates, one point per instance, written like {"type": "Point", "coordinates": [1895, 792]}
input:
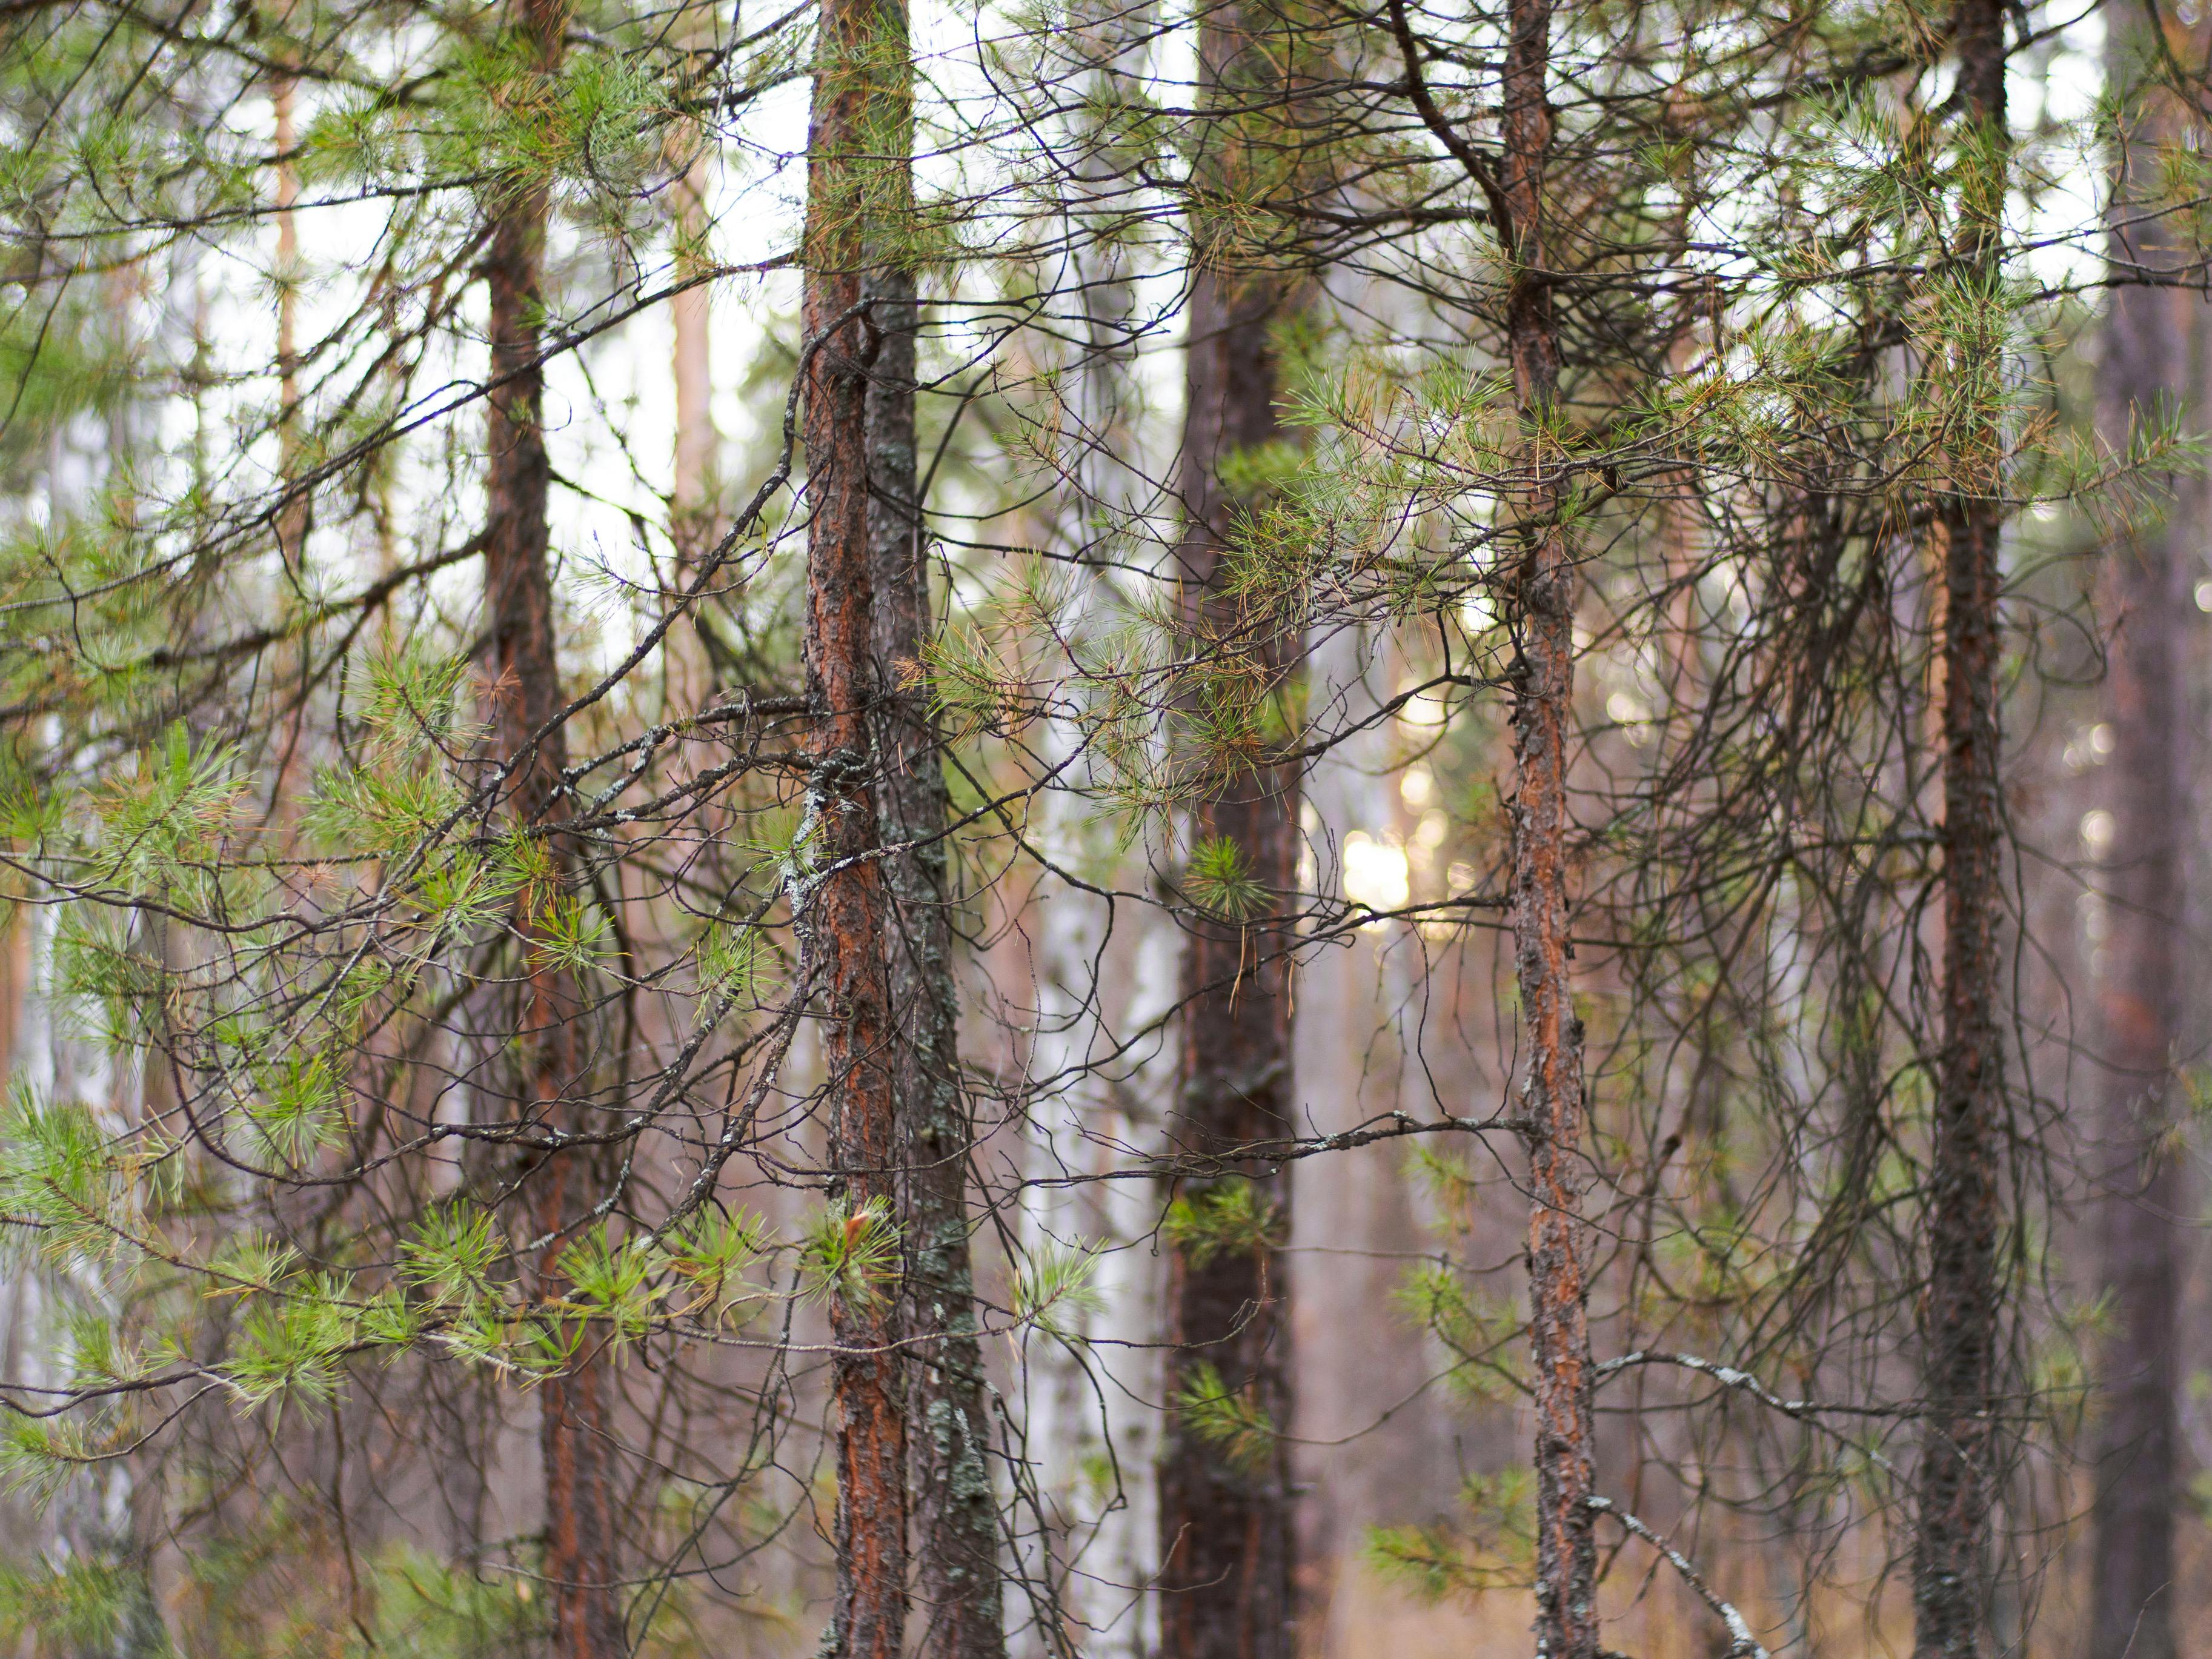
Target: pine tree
{"type": "Point", "coordinates": [2149, 375]}
{"type": "Point", "coordinates": [529, 746]}
{"type": "Point", "coordinates": [1960, 1452]}
{"type": "Point", "coordinates": [1227, 1538]}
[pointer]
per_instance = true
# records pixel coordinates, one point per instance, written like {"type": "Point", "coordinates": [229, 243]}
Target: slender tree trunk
{"type": "Point", "coordinates": [1541, 604]}
{"type": "Point", "coordinates": [2151, 340]}
{"type": "Point", "coordinates": [1098, 1542]}
{"type": "Point", "coordinates": [1960, 1444]}
{"type": "Point", "coordinates": [1226, 1522]}
{"type": "Point", "coordinates": [1554, 1111]}
{"type": "Point", "coordinates": [691, 496]}
{"type": "Point", "coordinates": [1226, 1519]}
{"type": "Point", "coordinates": [692, 499]}
{"type": "Point", "coordinates": [848, 912]}
{"type": "Point", "coordinates": [1114, 1600]}
{"type": "Point", "coordinates": [574, 1442]}
{"type": "Point", "coordinates": [956, 1578]}
{"type": "Point", "coordinates": [956, 1575]}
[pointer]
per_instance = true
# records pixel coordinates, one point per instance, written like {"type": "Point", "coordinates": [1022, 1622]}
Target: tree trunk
{"type": "Point", "coordinates": [574, 1440]}
{"type": "Point", "coordinates": [691, 498]}
{"type": "Point", "coordinates": [2151, 340]}
{"type": "Point", "coordinates": [692, 504]}
{"type": "Point", "coordinates": [846, 912]}
{"type": "Point", "coordinates": [1552, 1107]}
{"type": "Point", "coordinates": [1959, 1449]}
{"type": "Point", "coordinates": [1225, 1509]}
{"type": "Point", "coordinates": [956, 1513]}
{"type": "Point", "coordinates": [1089, 1406]}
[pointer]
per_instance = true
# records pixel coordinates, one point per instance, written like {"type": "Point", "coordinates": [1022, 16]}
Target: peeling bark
{"type": "Point", "coordinates": [846, 910]}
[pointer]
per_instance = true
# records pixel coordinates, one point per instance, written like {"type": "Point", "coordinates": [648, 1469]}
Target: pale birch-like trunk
{"type": "Point", "coordinates": [1089, 1429]}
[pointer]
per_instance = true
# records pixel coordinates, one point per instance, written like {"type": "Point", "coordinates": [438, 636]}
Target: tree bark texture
{"type": "Point", "coordinates": [956, 1577]}
{"type": "Point", "coordinates": [2150, 366]}
{"type": "Point", "coordinates": [848, 908]}
{"type": "Point", "coordinates": [1960, 1444]}
{"type": "Point", "coordinates": [575, 1444]}
{"type": "Point", "coordinates": [1553, 1110]}
{"type": "Point", "coordinates": [1226, 1522]}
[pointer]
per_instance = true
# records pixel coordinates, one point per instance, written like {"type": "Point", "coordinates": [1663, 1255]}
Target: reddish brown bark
{"type": "Point", "coordinates": [2152, 345]}
{"type": "Point", "coordinates": [1226, 1538]}
{"type": "Point", "coordinates": [846, 912]}
{"type": "Point", "coordinates": [574, 1440]}
{"type": "Point", "coordinates": [1960, 1445]}
{"type": "Point", "coordinates": [1552, 1109]}
{"type": "Point", "coordinates": [1543, 605]}
{"type": "Point", "coordinates": [957, 1577]}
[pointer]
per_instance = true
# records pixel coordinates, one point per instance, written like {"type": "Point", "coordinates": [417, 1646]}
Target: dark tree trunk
{"type": "Point", "coordinates": [2151, 341]}
{"type": "Point", "coordinates": [1226, 1519]}
{"type": "Point", "coordinates": [956, 1581]}
{"type": "Point", "coordinates": [1960, 1445]}
{"type": "Point", "coordinates": [575, 1444]}
{"type": "Point", "coordinates": [846, 912]}
{"type": "Point", "coordinates": [1553, 1110]}
{"type": "Point", "coordinates": [1226, 1537]}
